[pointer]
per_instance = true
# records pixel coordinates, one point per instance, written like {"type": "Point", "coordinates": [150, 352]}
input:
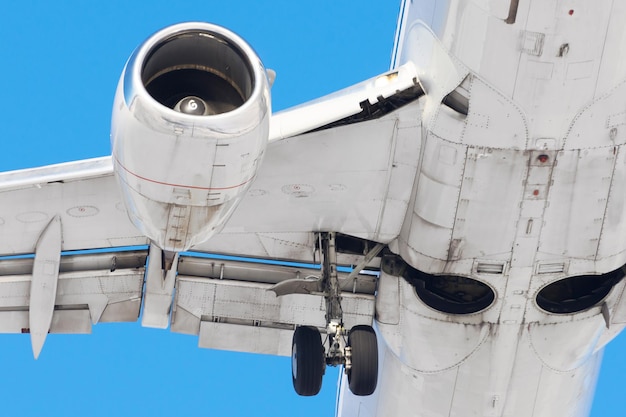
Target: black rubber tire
{"type": "Point", "coordinates": [363, 375]}
{"type": "Point", "coordinates": [307, 361]}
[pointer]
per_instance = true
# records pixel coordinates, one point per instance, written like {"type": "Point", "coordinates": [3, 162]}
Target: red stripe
{"type": "Point", "coordinates": [177, 185]}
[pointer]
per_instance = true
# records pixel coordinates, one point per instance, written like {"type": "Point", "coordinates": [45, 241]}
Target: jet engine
{"type": "Point", "coordinates": [189, 129]}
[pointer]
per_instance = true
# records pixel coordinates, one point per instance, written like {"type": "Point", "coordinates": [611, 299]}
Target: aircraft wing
{"type": "Point", "coordinates": [70, 257]}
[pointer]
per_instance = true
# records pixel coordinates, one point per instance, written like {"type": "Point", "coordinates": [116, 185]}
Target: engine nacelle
{"type": "Point", "coordinates": [189, 129]}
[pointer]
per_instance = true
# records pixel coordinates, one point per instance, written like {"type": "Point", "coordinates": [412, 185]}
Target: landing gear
{"type": "Point", "coordinates": [359, 357]}
{"type": "Point", "coordinates": [307, 361]}
{"type": "Point", "coordinates": [358, 354]}
{"type": "Point", "coordinates": [363, 370]}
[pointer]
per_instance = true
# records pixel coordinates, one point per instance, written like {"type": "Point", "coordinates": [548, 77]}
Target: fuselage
{"type": "Point", "coordinates": [515, 232]}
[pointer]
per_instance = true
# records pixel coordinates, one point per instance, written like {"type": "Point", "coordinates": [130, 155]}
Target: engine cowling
{"type": "Point", "coordinates": [189, 129]}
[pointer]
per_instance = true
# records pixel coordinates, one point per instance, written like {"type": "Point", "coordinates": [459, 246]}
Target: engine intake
{"type": "Point", "coordinates": [198, 64]}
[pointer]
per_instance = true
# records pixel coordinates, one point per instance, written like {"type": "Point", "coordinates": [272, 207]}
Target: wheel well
{"type": "Point", "coordinates": [578, 293]}
{"type": "Point", "coordinates": [451, 294]}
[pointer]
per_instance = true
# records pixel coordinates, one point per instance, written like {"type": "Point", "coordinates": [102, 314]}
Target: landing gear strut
{"type": "Point", "coordinates": [358, 354]}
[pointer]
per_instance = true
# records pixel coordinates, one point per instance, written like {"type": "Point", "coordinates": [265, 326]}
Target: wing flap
{"type": "Point", "coordinates": [82, 299]}
{"type": "Point", "coordinates": [241, 338]}
{"type": "Point", "coordinates": [249, 317]}
{"type": "Point", "coordinates": [74, 321]}
{"type": "Point", "coordinates": [91, 289]}
{"type": "Point", "coordinates": [246, 315]}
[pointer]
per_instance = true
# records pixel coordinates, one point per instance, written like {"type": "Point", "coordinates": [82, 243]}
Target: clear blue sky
{"type": "Point", "coordinates": [60, 64]}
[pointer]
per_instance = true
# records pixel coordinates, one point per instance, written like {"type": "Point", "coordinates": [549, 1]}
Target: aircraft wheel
{"type": "Point", "coordinates": [363, 374]}
{"type": "Point", "coordinates": [307, 361]}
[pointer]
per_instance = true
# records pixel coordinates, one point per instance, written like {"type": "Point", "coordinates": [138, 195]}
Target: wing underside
{"type": "Point", "coordinates": [343, 171]}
